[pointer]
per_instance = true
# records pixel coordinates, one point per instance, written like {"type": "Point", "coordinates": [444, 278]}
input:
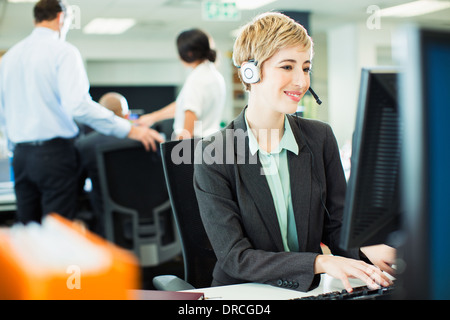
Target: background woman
{"type": "Point", "coordinates": [202, 97]}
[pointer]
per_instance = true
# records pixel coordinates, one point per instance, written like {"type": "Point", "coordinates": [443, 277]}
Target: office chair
{"type": "Point", "coordinates": [137, 212]}
{"type": "Point", "coordinates": [198, 255]}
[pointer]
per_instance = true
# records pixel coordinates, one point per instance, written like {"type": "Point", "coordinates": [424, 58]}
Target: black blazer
{"type": "Point", "coordinates": [239, 216]}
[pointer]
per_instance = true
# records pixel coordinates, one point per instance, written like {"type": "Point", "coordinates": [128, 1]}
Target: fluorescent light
{"type": "Point", "coordinates": [108, 26]}
{"type": "Point", "coordinates": [415, 8]}
{"type": "Point", "coordinates": [23, 1]}
{"type": "Point", "coordinates": [251, 4]}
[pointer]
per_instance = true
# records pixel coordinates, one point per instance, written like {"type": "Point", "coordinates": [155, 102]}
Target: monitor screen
{"type": "Point", "coordinates": [142, 100]}
{"type": "Point", "coordinates": [372, 204]}
{"type": "Point", "coordinates": [146, 98]}
{"type": "Point", "coordinates": [425, 111]}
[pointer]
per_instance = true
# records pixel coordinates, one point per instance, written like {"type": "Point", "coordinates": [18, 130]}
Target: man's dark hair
{"type": "Point", "coordinates": [47, 10]}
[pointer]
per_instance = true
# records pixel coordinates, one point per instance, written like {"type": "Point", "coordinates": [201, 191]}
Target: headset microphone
{"type": "Point", "coordinates": [319, 102]}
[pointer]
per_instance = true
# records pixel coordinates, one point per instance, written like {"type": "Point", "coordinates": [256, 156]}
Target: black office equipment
{"type": "Point", "coordinates": [137, 211]}
{"type": "Point", "coordinates": [315, 96]}
{"type": "Point", "coordinates": [199, 257]}
{"type": "Point", "coordinates": [358, 293]}
{"type": "Point", "coordinates": [372, 205]}
{"type": "Point", "coordinates": [146, 98]}
{"type": "Point", "coordinates": [425, 111]}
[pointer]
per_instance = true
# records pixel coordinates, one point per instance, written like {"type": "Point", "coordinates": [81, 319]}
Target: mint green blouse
{"type": "Point", "coordinates": [276, 170]}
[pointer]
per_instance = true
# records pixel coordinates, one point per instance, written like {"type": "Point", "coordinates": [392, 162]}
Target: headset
{"type": "Point", "coordinates": [250, 73]}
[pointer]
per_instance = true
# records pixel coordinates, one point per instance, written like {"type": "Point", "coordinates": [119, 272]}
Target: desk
{"type": "Point", "coordinates": [258, 291]}
{"type": "Point", "coordinates": [7, 196]}
{"type": "Point", "coordinates": [8, 205]}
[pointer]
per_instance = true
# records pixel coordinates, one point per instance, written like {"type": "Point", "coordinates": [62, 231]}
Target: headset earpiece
{"type": "Point", "coordinates": [250, 72]}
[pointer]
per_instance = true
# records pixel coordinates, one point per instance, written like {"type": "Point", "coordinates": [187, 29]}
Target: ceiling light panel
{"type": "Point", "coordinates": [108, 26]}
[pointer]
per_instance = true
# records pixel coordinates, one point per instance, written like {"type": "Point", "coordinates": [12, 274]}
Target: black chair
{"type": "Point", "coordinates": [137, 212]}
{"type": "Point", "coordinates": [198, 256]}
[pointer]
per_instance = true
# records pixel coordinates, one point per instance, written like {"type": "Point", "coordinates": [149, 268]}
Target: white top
{"type": "Point", "coordinates": [44, 87]}
{"type": "Point", "coordinates": [204, 94]}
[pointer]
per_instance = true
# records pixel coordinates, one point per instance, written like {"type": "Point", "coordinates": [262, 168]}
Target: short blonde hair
{"type": "Point", "coordinates": [265, 35]}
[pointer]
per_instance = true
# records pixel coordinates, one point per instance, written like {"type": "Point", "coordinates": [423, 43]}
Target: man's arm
{"type": "Point", "coordinates": [147, 136]}
{"type": "Point", "coordinates": [73, 86]}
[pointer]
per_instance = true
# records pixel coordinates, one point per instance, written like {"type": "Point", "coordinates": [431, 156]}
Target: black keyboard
{"type": "Point", "coordinates": [358, 293]}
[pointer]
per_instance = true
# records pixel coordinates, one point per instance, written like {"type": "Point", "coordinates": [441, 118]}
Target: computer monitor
{"type": "Point", "coordinates": [144, 99]}
{"type": "Point", "coordinates": [372, 205]}
{"type": "Point", "coordinates": [425, 111]}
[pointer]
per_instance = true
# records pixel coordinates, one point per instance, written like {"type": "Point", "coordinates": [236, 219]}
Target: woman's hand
{"type": "Point", "coordinates": [146, 120]}
{"type": "Point", "coordinates": [345, 268]}
{"type": "Point", "coordinates": [382, 256]}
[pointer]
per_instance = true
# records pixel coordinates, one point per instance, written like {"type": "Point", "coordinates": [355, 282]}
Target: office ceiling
{"type": "Point", "coordinates": [163, 19]}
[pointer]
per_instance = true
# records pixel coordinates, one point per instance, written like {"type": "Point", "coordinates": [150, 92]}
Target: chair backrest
{"type": "Point", "coordinates": [135, 198]}
{"type": "Point", "coordinates": [199, 258]}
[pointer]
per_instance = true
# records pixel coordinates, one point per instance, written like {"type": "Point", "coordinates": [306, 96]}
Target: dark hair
{"type": "Point", "coordinates": [47, 10]}
{"type": "Point", "coordinates": [194, 45]}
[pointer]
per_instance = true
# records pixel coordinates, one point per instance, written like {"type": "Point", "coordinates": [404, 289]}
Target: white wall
{"type": "Point", "coordinates": [319, 77]}
{"type": "Point", "coordinates": [138, 72]}
{"type": "Point", "coordinates": [351, 47]}
{"type": "Point", "coordinates": [342, 80]}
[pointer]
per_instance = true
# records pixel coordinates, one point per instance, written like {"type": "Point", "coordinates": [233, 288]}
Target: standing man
{"type": "Point", "coordinates": [43, 89]}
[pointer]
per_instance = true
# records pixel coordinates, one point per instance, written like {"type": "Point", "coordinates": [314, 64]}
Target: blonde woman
{"type": "Point", "coordinates": [269, 202]}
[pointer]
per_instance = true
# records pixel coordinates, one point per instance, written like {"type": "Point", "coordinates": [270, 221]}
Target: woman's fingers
{"type": "Point", "coordinates": [372, 276]}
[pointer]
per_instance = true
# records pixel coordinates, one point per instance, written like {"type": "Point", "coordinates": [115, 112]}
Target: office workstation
{"type": "Point", "coordinates": [379, 83]}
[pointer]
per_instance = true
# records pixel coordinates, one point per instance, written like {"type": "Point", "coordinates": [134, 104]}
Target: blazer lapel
{"type": "Point", "coordinates": [300, 181]}
{"type": "Point", "coordinates": [250, 172]}
{"type": "Point", "coordinates": [258, 187]}
{"type": "Point", "coordinates": [300, 174]}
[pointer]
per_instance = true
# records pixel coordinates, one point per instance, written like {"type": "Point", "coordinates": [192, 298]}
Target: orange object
{"type": "Point", "coordinates": [59, 259]}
